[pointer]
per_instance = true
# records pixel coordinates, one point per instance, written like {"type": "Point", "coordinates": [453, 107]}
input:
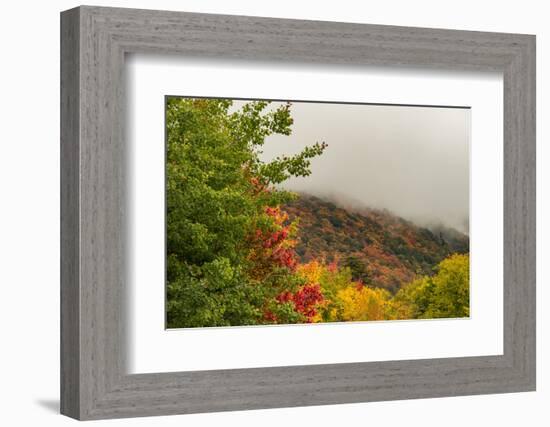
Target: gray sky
{"type": "Point", "coordinates": [413, 161]}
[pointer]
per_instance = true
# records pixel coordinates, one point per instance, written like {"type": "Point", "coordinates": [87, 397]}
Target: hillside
{"type": "Point", "coordinates": [381, 249]}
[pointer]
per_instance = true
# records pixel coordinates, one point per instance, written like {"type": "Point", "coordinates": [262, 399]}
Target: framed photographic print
{"type": "Point", "coordinates": [262, 213]}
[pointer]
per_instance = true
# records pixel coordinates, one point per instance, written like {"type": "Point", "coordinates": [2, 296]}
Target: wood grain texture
{"type": "Point", "coordinates": [94, 273]}
{"type": "Point", "coordinates": [70, 220]}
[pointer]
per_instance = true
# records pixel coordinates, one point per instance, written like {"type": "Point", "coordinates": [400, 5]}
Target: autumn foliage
{"type": "Point", "coordinates": [243, 251]}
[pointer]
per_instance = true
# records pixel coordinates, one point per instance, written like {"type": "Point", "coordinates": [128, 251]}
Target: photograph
{"type": "Point", "coordinates": [318, 212]}
{"type": "Point", "coordinates": [300, 212]}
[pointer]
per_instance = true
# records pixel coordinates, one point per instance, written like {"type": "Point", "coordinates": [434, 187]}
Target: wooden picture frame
{"type": "Point", "coordinates": [94, 382]}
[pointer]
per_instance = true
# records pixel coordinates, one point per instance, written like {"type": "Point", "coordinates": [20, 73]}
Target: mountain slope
{"type": "Point", "coordinates": [381, 249]}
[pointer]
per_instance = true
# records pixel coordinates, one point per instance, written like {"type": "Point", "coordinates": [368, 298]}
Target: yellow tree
{"type": "Point", "coordinates": [363, 303]}
{"type": "Point", "coordinates": [444, 295]}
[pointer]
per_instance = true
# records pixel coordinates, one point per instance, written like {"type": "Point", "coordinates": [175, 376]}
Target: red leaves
{"type": "Point", "coordinates": [275, 238]}
{"type": "Point", "coordinates": [270, 317]}
{"type": "Point", "coordinates": [274, 247]}
{"type": "Point", "coordinates": [305, 300]}
{"type": "Point", "coordinates": [285, 257]}
{"type": "Point", "coordinates": [286, 296]}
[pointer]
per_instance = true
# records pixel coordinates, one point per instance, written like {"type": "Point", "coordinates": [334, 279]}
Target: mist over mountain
{"type": "Point", "coordinates": [414, 161]}
{"type": "Point", "coordinates": [461, 226]}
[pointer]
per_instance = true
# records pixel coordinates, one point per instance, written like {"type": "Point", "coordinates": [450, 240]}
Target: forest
{"type": "Point", "coordinates": [242, 250]}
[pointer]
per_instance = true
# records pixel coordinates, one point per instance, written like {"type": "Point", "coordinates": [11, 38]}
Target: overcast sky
{"type": "Point", "coordinates": [413, 161]}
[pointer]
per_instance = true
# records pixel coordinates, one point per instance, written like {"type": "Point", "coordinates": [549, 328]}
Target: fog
{"type": "Point", "coordinates": [413, 161]}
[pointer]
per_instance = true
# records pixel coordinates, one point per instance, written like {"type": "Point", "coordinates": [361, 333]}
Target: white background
{"type": "Point", "coordinates": [153, 349]}
{"type": "Point", "coordinates": [29, 218]}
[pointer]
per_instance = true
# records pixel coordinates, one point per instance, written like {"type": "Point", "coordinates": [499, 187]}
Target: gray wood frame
{"type": "Point", "coordinates": [94, 383]}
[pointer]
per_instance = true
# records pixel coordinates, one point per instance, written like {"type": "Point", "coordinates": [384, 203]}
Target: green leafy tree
{"type": "Point", "coordinates": [217, 191]}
